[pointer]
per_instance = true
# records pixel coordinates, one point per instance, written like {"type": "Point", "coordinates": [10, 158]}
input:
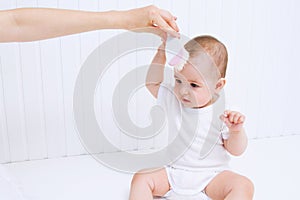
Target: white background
{"type": "Point", "coordinates": [37, 78]}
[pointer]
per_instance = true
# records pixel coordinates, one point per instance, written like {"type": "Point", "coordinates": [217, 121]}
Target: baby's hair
{"type": "Point", "coordinates": [213, 47]}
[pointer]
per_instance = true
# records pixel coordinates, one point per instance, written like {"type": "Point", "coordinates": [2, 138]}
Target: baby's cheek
{"type": "Point", "coordinates": [176, 91]}
{"type": "Point", "coordinates": [202, 98]}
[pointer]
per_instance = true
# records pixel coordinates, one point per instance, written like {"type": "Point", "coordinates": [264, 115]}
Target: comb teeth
{"type": "Point", "coordinates": [179, 60]}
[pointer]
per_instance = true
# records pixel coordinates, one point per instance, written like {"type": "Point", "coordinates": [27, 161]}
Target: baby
{"type": "Point", "coordinates": [198, 84]}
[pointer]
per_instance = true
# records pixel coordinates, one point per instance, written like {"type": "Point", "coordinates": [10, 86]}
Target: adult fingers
{"type": "Point", "coordinates": [170, 19]}
{"type": "Point", "coordinates": [166, 22]}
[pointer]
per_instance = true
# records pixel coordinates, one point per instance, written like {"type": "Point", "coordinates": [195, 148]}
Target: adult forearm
{"type": "Point", "coordinates": [28, 24]}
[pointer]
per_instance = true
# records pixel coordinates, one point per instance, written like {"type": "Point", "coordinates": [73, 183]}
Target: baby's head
{"type": "Point", "coordinates": [202, 76]}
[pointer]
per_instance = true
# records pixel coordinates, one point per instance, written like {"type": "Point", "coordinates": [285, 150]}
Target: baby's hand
{"type": "Point", "coordinates": [233, 120]}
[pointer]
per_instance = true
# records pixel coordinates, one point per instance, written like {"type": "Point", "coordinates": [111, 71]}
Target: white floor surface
{"type": "Point", "coordinates": [273, 165]}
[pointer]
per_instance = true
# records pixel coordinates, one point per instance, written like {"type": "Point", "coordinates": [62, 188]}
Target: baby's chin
{"type": "Point", "coordinates": [194, 106]}
{"type": "Point", "coordinates": [188, 104]}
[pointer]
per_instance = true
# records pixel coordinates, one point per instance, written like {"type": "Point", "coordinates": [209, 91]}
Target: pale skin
{"type": "Point", "coordinates": [30, 24]}
{"type": "Point", "coordinates": [191, 91]}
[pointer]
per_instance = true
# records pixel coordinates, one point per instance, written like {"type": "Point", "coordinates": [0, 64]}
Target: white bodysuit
{"type": "Point", "coordinates": [190, 173]}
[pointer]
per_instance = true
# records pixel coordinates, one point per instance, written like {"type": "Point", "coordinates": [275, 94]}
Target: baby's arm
{"type": "Point", "coordinates": [237, 142]}
{"type": "Point", "coordinates": [155, 75]}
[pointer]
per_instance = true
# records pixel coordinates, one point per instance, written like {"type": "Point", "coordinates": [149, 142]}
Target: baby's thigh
{"type": "Point", "coordinates": [156, 179]}
{"type": "Point", "coordinates": [226, 182]}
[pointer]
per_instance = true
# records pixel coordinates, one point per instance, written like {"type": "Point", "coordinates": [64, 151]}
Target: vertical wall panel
{"type": "Point", "coordinates": [105, 116]}
{"type": "Point", "coordinates": [90, 40]}
{"type": "Point", "coordinates": [108, 84]}
{"type": "Point", "coordinates": [144, 101]}
{"type": "Point", "coordinates": [51, 74]}
{"type": "Point", "coordinates": [125, 64]}
{"type": "Point", "coordinates": [290, 65]}
{"type": "Point", "coordinates": [13, 98]}
{"type": "Point", "coordinates": [181, 10]}
{"type": "Point", "coordinates": [270, 84]}
{"type": "Point", "coordinates": [213, 17]}
{"type": "Point", "coordinates": [70, 51]}
{"type": "Point", "coordinates": [5, 155]}
{"type": "Point", "coordinates": [27, 3]}
{"type": "Point", "coordinates": [4, 141]}
{"type": "Point", "coordinates": [32, 94]}
{"type": "Point", "coordinates": [53, 94]}
{"type": "Point", "coordinates": [167, 5]}
{"type": "Point", "coordinates": [70, 63]}
{"type": "Point", "coordinates": [33, 100]}
{"type": "Point", "coordinates": [51, 65]}
{"type": "Point", "coordinates": [7, 4]}
{"type": "Point", "coordinates": [142, 3]}
{"type": "Point", "coordinates": [197, 16]}
{"type": "Point", "coordinates": [240, 69]}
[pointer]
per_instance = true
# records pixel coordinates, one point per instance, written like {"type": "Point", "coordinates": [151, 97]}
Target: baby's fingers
{"type": "Point", "coordinates": [236, 117]}
{"type": "Point", "coordinates": [241, 119]}
{"type": "Point", "coordinates": [225, 119]}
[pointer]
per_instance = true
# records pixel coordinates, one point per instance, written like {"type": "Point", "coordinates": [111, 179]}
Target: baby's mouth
{"type": "Point", "coordinates": [185, 100]}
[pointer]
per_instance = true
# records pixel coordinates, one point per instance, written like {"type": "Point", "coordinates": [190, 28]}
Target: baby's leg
{"type": "Point", "coordinates": [145, 185]}
{"type": "Point", "coordinates": [230, 186]}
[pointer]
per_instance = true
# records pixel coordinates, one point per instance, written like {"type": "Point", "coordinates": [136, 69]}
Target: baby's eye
{"type": "Point", "coordinates": [194, 85]}
{"type": "Point", "coordinates": [178, 81]}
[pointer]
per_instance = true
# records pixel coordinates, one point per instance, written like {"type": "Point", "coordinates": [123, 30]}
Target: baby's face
{"type": "Point", "coordinates": [191, 88]}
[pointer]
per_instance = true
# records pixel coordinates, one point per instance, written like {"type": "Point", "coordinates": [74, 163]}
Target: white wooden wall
{"type": "Point", "coordinates": [37, 78]}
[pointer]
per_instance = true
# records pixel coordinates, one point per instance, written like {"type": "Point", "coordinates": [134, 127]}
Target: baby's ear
{"type": "Point", "coordinates": [220, 84]}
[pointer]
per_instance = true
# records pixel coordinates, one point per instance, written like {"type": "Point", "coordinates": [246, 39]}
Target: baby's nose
{"type": "Point", "coordinates": [184, 90]}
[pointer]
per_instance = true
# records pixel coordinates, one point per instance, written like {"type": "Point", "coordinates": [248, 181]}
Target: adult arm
{"type": "Point", "coordinates": [29, 24]}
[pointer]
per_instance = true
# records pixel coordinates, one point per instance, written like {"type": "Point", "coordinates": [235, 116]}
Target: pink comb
{"type": "Point", "coordinates": [178, 60]}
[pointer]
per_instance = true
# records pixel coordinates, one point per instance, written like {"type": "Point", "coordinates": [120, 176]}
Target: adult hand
{"type": "Point", "coordinates": [151, 16]}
